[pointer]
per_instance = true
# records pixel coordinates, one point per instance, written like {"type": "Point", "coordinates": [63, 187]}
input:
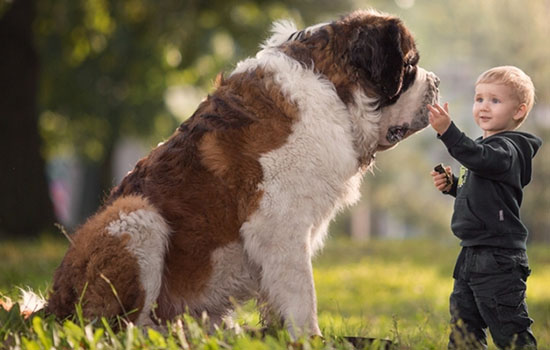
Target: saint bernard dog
{"type": "Point", "coordinates": [237, 201]}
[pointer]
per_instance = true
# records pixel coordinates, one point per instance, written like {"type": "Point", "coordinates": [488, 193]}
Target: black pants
{"type": "Point", "coordinates": [489, 292]}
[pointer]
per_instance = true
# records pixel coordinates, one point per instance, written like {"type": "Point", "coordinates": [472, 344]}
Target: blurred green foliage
{"type": "Point", "coordinates": [107, 65]}
{"type": "Point", "coordinates": [109, 69]}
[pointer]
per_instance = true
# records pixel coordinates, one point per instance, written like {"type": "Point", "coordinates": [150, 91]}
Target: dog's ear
{"type": "Point", "coordinates": [376, 51]}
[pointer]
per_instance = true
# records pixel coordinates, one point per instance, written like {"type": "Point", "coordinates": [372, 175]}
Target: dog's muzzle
{"type": "Point", "coordinates": [397, 133]}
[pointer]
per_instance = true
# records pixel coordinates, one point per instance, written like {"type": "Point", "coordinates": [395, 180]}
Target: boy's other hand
{"type": "Point", "coordinates": [440, 180]}
{"type": "Point", "coordinates": [439, 117]}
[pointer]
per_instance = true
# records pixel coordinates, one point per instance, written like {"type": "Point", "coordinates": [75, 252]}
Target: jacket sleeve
{"type": "Point", "coordinates": [489, 159]}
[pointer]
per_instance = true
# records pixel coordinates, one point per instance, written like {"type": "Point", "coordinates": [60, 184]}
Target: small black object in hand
{"type": "Point", "coordinates": [440, 169]}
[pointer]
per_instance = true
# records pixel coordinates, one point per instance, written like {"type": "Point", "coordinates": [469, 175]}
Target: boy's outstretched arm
{"type": "Point", "coordinates": [490, 159]}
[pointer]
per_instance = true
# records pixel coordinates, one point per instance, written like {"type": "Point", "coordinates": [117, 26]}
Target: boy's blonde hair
{"type": "Point", "coordinates": [514, 78]}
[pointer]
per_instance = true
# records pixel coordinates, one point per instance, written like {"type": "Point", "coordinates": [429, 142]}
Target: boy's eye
{"type": "Point", "coordinates": [479, 99]}
{"type": "Point", "coordinates": [495, 100]}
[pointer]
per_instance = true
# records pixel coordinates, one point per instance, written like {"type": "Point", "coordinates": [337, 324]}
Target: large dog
{"type": "Point", "coordinates": [236, 202]}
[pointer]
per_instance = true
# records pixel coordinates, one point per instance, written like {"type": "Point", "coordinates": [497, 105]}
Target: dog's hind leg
{"type": "Point", "coordinates": [114, 265]}
{"type": "Point", "coordinates": [148, 239]}
{"type": "Point", "coordinates": [100, 274]}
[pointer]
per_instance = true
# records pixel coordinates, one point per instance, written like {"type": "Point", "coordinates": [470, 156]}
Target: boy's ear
{"type": "Point", "coordinates": [520, 113]}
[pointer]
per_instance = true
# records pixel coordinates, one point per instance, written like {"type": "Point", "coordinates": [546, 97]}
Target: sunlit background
{"type": "Point", "coordinates": [117, 77]}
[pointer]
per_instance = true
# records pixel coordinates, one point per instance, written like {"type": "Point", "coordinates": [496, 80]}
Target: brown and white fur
{"type": "Point", "coordinates": [237, 201]}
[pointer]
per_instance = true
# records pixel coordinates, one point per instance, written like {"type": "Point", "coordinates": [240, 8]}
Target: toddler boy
{"type": "Point", "coordinates": [492, 268]}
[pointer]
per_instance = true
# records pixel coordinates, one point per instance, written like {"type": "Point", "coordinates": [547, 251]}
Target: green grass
{"type": "Point", "coordinates": [396, 290]}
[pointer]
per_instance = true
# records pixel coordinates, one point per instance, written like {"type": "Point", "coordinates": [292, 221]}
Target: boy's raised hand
{"type": "Point", "coordinates": [439, 117]}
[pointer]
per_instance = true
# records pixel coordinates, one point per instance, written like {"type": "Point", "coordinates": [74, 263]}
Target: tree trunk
{"type": "Point", "coordinates": [25, 205]}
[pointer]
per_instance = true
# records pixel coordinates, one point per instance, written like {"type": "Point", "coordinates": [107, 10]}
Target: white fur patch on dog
{"type": "Point", "coordinates": [365, 117]}
{"type": "Point", "coordinates": [285, 30]}
{"type": "Point", "coordinates": [281, 31]}
{"type": "Point", "coordinates": [149, 236]}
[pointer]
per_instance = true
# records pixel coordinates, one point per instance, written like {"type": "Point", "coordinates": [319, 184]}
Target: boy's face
{"type": "Point", "coordinates": [496, 108]}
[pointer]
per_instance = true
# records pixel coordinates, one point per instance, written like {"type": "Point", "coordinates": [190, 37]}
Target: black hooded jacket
{"type": "Point", "coordinates": [489, 189]}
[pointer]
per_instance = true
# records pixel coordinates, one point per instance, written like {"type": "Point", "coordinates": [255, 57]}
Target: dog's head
{"type": "Point", "coordinates": [373, 56]}
{"type": "Point", "coordinates": [408, 114]}
{"type": "Point", "coordinates": [383, 53]}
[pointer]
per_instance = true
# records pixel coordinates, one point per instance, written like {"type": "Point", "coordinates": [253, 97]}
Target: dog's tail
{"type": "Point", "coordinates": [29, 302]}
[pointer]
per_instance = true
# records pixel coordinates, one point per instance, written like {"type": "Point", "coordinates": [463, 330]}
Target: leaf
{"type": "Point", "coordinates": [73, 332]}
{"type": "Point", "coordinates": [30, 344]}
{"type": "Point", "coordinates": [11, 321]}
{"type": "Point", "coordinates": [156, 338]}
{"type": "Point", "coordinates": [111, 333]}
{"type": "Point", "coordinates": [38, 327]}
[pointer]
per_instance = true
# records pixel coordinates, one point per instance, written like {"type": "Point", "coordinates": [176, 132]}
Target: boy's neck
{"type": "Point", "coordinates": [487, 134]}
